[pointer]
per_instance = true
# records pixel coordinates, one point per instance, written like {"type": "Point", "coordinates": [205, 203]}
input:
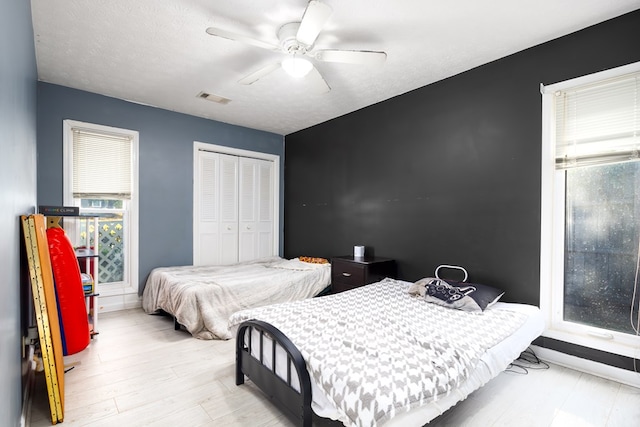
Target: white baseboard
{"type": "Point", "coordinates": [27, 396]}
{"type": "Point", "coordinates": [588, 366]}
{"type": "Point", "coordinates": [118, 302]}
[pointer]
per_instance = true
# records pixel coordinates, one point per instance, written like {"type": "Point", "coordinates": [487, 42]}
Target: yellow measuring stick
{"type": "Point", "coordinates": [46, 312]}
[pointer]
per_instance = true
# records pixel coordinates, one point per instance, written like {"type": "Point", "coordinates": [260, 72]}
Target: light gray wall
{"type": "Point", "coordinates": [165, 164]}
{"type": "Point", "coordinates": [17, 190]}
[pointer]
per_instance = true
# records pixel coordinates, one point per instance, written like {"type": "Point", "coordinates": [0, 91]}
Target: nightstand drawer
{"type": "Point", "coordinates": [348, 274]}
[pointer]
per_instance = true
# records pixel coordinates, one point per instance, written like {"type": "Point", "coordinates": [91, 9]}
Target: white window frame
{"type": "Point", "coordinates": [552, 235]}
{"type": "Point", "coordinates": [130, 283]}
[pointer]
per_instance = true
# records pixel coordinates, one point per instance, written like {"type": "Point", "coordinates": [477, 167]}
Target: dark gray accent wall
{"type": "Point", "coordinates": [445, 174]}
{"type": "Point", "coordinates": [165, 163]}
{"type": "Point", "coordinates": [17, 193]}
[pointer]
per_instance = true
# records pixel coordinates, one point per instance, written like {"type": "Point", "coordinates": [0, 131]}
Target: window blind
{"type": "Point", "coordinates": [598, 123]}
{"type": "Point", "coordinates": [101, 165]}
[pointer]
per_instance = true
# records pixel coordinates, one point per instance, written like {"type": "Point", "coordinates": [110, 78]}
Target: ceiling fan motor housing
{"type": "Point", "coordinates": [288, 40]}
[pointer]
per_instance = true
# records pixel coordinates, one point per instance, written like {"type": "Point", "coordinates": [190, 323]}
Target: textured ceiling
{"type": "Point", "coordinates": [157, 52]}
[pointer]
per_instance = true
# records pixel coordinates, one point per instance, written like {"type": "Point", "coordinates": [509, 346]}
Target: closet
{"type": "Point", "coordinates": [234, 208]}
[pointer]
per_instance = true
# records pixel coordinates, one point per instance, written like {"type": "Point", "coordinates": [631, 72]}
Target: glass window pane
{"type": "Point", "coordinates": [111, 248]}
{"type": "Point", "coordinates": [111, 232]}
{"type": "Point", "coordinates": [101, 203]}
{"type": "Point", "coordinates": [601, 244]}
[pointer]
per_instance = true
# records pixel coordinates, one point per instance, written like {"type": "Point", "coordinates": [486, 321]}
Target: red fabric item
{"type": "Point", "coordinates": [70, 296]}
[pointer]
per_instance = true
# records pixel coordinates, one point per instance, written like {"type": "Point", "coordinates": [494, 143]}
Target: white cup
{"type": "Point", "coordinates": [358, 251]}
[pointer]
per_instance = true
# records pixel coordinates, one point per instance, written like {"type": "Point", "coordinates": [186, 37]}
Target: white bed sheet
{"type": "Point", "coordinates": [493, 362]}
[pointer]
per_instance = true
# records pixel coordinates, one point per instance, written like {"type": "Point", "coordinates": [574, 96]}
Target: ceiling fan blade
{"type": "Point", "coordinates": [315, 16]}
{"type": "Point", "coordinates": [317, 82]}
{"type": "Point", "coordinates": [257, 75]}
{"type": "Point", "coordinates": [217, 32]}
{"type": "Point", "coordinates": [365, 57]}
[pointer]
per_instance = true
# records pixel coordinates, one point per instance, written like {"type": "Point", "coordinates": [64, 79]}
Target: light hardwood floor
{"type": "Point", "coordinates": [140, 371]}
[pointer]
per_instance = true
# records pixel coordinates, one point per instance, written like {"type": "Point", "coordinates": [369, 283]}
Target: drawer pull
{"type": "Point", "coordinates": [346, 274]}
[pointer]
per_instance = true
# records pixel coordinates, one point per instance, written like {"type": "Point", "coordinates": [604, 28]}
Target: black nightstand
{"type": "Point", "coordinates": [348, 272]}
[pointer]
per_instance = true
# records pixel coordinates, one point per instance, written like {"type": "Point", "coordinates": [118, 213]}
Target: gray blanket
{"type": "Point", "coordinates": [202, 298]}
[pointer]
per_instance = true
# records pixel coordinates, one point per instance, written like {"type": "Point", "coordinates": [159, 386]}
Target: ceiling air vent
{"type": "Point", "coordinates": [214, 98]}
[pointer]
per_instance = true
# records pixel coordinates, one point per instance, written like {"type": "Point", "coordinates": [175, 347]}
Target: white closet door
{"type": "Point", "coordinates": [234, 208]}
{"type": "Point", "coordinates": [256, 209]}
{"type": "Point", "coordinates": [265, 226]}
{"type": "Point", "coordinates": [217, 223]}
{"type": "Point", "coordinates": [228, 248]}
{"type": "Point", "coordinates": [206, 221]}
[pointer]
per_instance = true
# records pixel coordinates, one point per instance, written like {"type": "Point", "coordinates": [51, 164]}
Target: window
{"type": "Point", "coordinates": [590, 239]}
{"type": "Point", "coordinates": [100, 177]}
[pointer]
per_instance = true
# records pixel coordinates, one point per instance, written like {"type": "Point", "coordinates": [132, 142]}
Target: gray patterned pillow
{"type": "Point", "coordinates": [472, 297]}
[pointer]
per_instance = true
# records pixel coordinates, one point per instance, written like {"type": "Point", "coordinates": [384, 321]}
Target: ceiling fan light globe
{"type": "Point", "coordinates": [296, 67]}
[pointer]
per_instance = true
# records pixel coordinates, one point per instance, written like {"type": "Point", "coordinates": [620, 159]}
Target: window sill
{"type": "Point", "coordinates": [613, 345]}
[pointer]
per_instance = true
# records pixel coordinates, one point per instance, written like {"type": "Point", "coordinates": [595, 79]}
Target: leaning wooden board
{"type": "Point", "coordinates": [46, 311]}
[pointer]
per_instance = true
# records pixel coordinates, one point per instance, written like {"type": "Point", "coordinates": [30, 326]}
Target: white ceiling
{"type": "Point", "coordinates": [156, 52]}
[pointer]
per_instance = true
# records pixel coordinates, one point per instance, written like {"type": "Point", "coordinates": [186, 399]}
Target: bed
{"type": "Point", "coordinates": [379, 354]}
{"type": "Point", "coordinates": [201, 298]}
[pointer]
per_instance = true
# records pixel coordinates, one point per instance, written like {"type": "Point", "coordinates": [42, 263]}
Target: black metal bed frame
{"type": "Point", "coordinates": [280, 391]}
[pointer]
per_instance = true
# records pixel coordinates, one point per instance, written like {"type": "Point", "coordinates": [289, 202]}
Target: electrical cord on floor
{"type": "Point", "coordinates": [526, 362]}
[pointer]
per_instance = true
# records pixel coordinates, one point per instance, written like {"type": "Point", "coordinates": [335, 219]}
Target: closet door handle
{"type": "Point", "coordinates": [228, 228]}
{"type": "Point", "coordinates": [248, 227]}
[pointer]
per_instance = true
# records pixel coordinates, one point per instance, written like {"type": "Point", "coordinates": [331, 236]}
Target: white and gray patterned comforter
{"type": "Point", "coordinates": [203, 297]}
{"type": "Point", "coordinates": [376, 351]}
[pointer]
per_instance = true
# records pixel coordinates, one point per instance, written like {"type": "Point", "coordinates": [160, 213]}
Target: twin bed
{"type": "Point", "coordinates": [380, 354]}
{"type": "Point", "coordinates": [201, 298]}
{"type": "Point", "coordinates": [392, 352]}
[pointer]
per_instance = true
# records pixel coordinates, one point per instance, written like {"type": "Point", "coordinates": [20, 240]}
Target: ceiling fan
{"type": "Point", "coordinates": [296, 40]}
